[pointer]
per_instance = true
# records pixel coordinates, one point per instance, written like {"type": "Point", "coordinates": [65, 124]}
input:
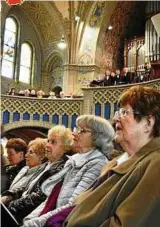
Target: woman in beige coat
{"type": "Point", "coordinates": [128, 192]}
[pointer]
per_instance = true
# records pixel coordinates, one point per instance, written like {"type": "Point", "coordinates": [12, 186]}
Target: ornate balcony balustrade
{"type": "Point", "coordinates": [24, 111]}
{"type": "Point", "coordinates": [102, 101]}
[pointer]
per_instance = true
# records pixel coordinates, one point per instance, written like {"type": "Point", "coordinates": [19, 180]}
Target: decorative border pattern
{"type": "Point", "coordinates": [24, 111]}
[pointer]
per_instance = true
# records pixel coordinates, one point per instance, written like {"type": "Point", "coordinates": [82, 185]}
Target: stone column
{"type": "Point", "coordinates": [45, 82]}
{"type": "Point", "coordinates": [78, 76]}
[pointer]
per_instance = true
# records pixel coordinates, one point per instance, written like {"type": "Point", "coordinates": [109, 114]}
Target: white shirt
{"type": "Point", "coordinates": [123, 158]}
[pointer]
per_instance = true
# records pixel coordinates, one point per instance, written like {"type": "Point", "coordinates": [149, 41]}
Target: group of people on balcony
{"type": "Point", "coordinates": [118, 77]}
{"type": "Point", "coordinates": [38, 94]}
{"type": "Point", "coordinates": [27, 92]}
{"type": "Point", "coordinates": [76, 178]}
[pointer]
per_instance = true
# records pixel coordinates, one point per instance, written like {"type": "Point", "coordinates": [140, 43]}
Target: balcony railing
{"type": "Point", "coordinates": [24, 111]}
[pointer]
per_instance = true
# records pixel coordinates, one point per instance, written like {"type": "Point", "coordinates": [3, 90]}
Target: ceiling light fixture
{"type": "Point", "coordinates": [62, 44]}
{"type": "Point", "coordinates": [110, 27]}
{"type": "Point", "coordinates": [77, 18]}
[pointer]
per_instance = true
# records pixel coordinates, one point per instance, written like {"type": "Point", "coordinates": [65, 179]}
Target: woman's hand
{"type": "Point", "coordinates": [5, 199]}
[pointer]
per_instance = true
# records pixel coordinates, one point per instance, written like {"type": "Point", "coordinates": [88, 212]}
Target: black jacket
{"type": "Point", "coordinates": [126, 78]}
{"type": "Point", "coordinates": [21, 205]}
{"type": "Point", "coordinates": [12, 171]}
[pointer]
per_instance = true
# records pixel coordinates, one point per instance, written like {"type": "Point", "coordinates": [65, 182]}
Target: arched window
{"type": "Point", "coordinates": [25, 73]}
{"type": "Point", "coordinates": [9, 48]}
{"type": "Point", "coordinates": [13, 67]}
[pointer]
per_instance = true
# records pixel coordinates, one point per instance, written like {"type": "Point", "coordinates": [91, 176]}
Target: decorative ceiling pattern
{"type": "Point", "coordinates": [47, 24]}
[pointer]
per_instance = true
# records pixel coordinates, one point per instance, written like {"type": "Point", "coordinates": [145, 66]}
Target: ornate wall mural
{"type": "Point", "coordinates": [97, 13]}
{"type": "Point", "coordinates": [111, 40]}
{"type": "Point", "coordinates": [48, 27]}
{"type": "Point", "coordinates": [90, 34]}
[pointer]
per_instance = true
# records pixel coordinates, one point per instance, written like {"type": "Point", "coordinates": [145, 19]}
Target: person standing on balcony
{"type": "Point", "coordinates": [126, 79]}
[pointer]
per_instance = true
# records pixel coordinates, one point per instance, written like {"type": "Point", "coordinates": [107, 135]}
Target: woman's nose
{"type": "Point", "coordinates": [75, 134]}
{"type": "Point", "coordinates": [48, 145]}
{"type": "Point", "coordinates": [26, 155]}
{"type": "Point", "coordinates": [115, 118]}
{"type": "Point", "coordinates": [74, 131]}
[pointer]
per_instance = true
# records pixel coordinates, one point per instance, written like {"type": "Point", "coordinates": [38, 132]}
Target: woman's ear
{"type": "Point", "coordinates": [22, 155]}
{"type": "Point", "coordinates": [150, 120]}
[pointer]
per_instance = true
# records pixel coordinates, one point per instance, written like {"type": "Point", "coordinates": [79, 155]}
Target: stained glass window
{"type": "Point", "coordinates": [25, 63]}
{"type": "Point", "coordinates": [9, 48]}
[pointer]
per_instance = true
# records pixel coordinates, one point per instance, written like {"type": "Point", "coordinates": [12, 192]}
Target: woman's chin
{"type": "Point", "coordinates": [118, 137]}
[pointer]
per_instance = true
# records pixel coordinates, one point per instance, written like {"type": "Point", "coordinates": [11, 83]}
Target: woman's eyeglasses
{"type": "Point", "coordinates": [31, 152]}
{"type": "Point", "coordinates": [123, 112]}
{"type": "Point", "coordinates": [53, 142]}
{"type": "Point", "coordinates": [81, 130]}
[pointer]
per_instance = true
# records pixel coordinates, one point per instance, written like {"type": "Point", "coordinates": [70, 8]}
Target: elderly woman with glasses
{"type": "Point", "coordinates": [34, 158]}
{"type": "Point", "coordinates": [93, 141]}
{"type": "Point", "coordinates": [128, 192]}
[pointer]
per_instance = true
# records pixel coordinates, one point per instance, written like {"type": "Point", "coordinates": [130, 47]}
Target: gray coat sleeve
{"type": "Point", "coordinates": [92, 171]}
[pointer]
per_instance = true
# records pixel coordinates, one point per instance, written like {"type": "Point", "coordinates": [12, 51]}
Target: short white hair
{"type": "Point", "coordinates": [64, 133]}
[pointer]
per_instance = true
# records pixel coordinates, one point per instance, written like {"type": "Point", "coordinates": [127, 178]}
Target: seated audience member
{"type": "Point", "coordinates": [62, 95]}
{"type": "Point", "coordinates": [51, 95]}
{"type": "Point", "coordinates": [93, 140]}
{"type": "Point", "coordinates": [40, 94]}
{"type": "Point", "coordinates": [34, 157]}
{"type": "Point", "coordinates": [12, 91]}
{"type": "Point", "coordinates": [126, 79]}
{"type": "Point", "coordinates": [107, 78]}
{"type": "Point", "coordinates": [113, 78]}
{"type": "Point", "coordinates": [118, 77]}
{"type": "Point", "coordinates": [21, 93]}
{"type": "Point", "coordinates": [128, 193]}
{"type": "Point", "coordinates": [57, 90]}
{"type": "Point", "coordinates": [95, 83]}
{"type": "Point", "coordinates": [105, 81]}
{"type": "Point", "coordinates": [149, 71]}
{"type": "Point", "coordinates": [26, 199]}
{"type": "Point", "coordinates": [140, 78]}
{"type": "Point", "coordinates": [16, 150]}
{"type": "Point", "coordinates": [27, 92]}
{"type": "Point", "coordinates": [33, 93]}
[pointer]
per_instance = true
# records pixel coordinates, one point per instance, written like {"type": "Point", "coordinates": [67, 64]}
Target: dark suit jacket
{"type": "Point", "coordinates": [107, 81]}
{"type": "Point", "coordinates": [126, 78]}
{"type": "Point", "coordinates": [12, 171]}
{"type": "Point", "coordinates": [21, 205]}
{"type": "Point", "coordinates": [118, 79]}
